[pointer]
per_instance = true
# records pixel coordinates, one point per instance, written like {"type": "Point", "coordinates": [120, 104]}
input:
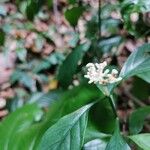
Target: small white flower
{"type": "Point", "coordinates": [115, 72]}
{"type": "Point", "coordinates": [96, 73]}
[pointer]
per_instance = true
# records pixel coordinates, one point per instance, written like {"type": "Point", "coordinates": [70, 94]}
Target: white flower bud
{"type": "Point", "coordinates": [106, 71]}
{"type": "Point", "coordinates": [114, 71]}
{"type": "Point", "coordinates": [90, 65]}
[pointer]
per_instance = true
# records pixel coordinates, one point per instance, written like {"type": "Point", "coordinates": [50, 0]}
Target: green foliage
{"type": "Point", "coordinates": [136, 119]}
{"type": "Point", "coordinates": [24, 78]}
{"type": "Point", "coordinates": [72, 1]}
{"type": "Point", "coordinates": [105, 123]}
{"type": "Point", "coordinates": [69, 66]}
{"type": "Point", "coordinates": [18, 123]}
{"type": "Point", "coordinates": [138, 9]}
{"type": "Point", "coordinates": [117, 142]}
{"type": "Point", "coordinates": [95, 139]}
{"type": "Point", "coordinates": [67, 133]}
{"type": "Point", "coordinates": [47, 62]}
{"type": "Point", "coordinates": [142, 140]}
{"type": "Point", "coordinates": [95, 144]}
{"type": "Point", "coordinates": [107, 44]}
{"type": "Point", "coordinates": [137, 91]}
{"type": "Point", "coordinates": [73, 14]}
{"type": "Point", "coordinates": [145, 76]}
{"type": "Point", "coordinates": [29, 121]}
{"type": "Point", "coordinates": [137, 63]}
{"type": "Point", "coordinates": [60, 116]}
{"type": "Point", "coordinates": [32, 8]}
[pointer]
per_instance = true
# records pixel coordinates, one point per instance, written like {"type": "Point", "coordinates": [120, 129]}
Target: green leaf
{"type": "Point", "coordinates": [104, 123]}
{"type": "Point", "coordinates": [24, 78]}
{"type": "Point", "coordinates": [145, 76]}
{"type": "Point", "coordinates": [53, 59]}
{"type": "Point", "coordinates": [50, 3]}
{"type": "Point", "coordinates": [142, 140]}
{"type": "Point", "coordinates": [136, 119]}
{"type": "Point", "coordinates": [73, 14]}
{"type": "Point", "coordinates": [21, 53]}
{"type": "Point", "coordinates": [32, 8]}
{"type": "Point", "coordinates": [95, 139]}
{"type": "Point", "coordinates": [107, 89]}
{"type": "Point", "coordinates": [96, 144]}
{"type": "Point", "coordinates": [107, 44]}
{"type": "Point", "coordinates": [72, 1]}
{"type": "Point", "coordinates": [139, 8]}
{"type": "Point", "coordinates": [70, 101]}
{"type": "Point", "coordinates": [136, 5]}
{"type": "Point", "coordinates": [67, 133]}
{"type": "Point", "coordinates": [45, 100]}
{"type": "Point", "coordinates": [136, 91]}
{"type": "Point", "coordinates": [138, 62]}
{"type": "Point", "coordinates": [24, 137]}
{"type": "Point", "coordinates": [70, 64]}
{"type": "Point", "coordinates": [92, 134]}
{"type": "Point", "coordinates": [117, 142]}
{"type": "Point", "coordinates": [111, 27]}
{"type": "Point", "coordinates": [16, 122]}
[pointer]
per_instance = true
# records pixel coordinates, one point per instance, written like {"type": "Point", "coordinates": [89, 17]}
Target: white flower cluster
{"type": "Point", "coordinates": [97, 74]}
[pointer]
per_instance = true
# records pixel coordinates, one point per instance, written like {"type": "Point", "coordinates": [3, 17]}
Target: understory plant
{"type": "Point", "coordinates": [70, 131]}
{"type": "Point", "coordinates": [71, 100]}
{"type": "Point", "coordinates": [84, 117]}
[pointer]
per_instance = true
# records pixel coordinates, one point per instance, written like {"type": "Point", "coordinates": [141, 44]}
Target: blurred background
{"type": "Point", "coordinates": [45, 45]}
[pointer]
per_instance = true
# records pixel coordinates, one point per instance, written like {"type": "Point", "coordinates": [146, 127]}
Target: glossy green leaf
{"type": "Point", "coordinates": [117, 142]}
{"type": "Point", "coordinates": [69, 66]}
{"type": "Point", "coordinates": [70, 101]}
{"type": "Point", "coordinates": [95, 140]}
{"type": "Point", "coordinates": [136, 91]}
{"type": "Point", "coordinates": [96, 144]}
{"type": "Point", "coordinates": [136, 119]}
{"type": "Point", "coordinates": [138, 62]}
{"type": "Point", "coordinates": [104, 123]}
{"type": "Point", "coordinates": [107, 89]}
{"type": "Point", "coordinates": [67, 133]}
{"type": "Point", "coordinates": [92, 134]}
{"type": "Point", "coordinates": [73, 14]}
{"type": "Point", "coordinates": [145, 76]}
{"type": "Point", "coordinates": [142, 140]}
{"type": "Point", "coordinates": [16, 122]}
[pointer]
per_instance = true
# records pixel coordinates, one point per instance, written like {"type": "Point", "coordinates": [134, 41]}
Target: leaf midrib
{"type": "Point", "coordinates": [71, 126]}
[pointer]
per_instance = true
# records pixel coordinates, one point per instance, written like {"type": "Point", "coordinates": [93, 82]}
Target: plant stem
{"type": "Point", "coordinates": [99, 18]}
{"type": "Point", "coordinates": [112, 103]}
